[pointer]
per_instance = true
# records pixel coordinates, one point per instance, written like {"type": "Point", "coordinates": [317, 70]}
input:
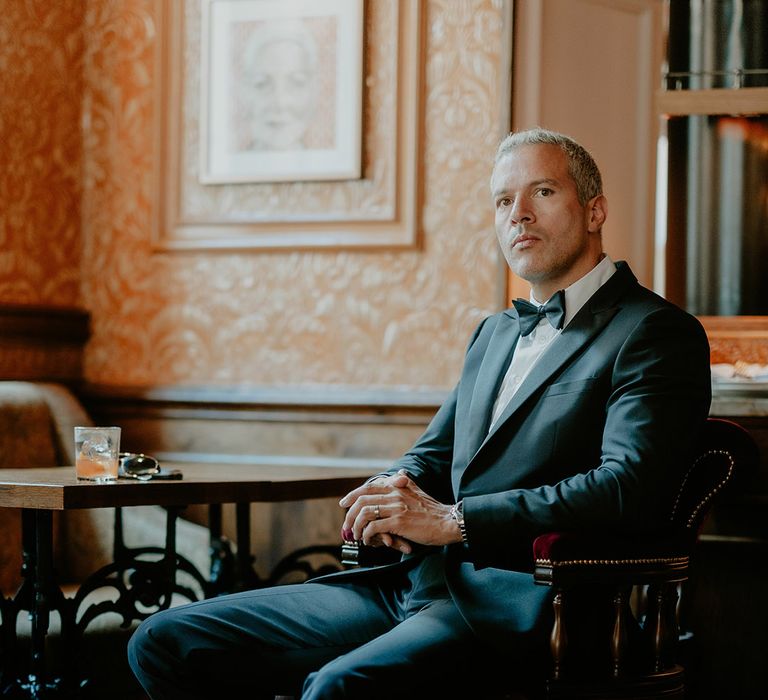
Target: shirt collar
{"type": "Point", "coordinates": [577, 294]}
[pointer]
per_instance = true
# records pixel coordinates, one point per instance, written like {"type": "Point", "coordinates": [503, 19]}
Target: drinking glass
{"type": "Point", "coordinates": [97, 451]}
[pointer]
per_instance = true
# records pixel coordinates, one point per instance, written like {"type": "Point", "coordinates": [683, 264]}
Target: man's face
{"type": "Point", "coordinates": [547, 237]}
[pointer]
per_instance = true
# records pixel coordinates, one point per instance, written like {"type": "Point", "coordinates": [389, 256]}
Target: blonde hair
{"type": "Point", "coordinates": [581, 166]}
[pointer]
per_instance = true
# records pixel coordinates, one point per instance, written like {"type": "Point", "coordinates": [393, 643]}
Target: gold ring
{"type": "Point", "coordinates": [377, 512]}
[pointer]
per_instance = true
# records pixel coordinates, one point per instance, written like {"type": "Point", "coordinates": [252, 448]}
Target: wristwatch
{"type": "Point", "coordinates": [457, 513]}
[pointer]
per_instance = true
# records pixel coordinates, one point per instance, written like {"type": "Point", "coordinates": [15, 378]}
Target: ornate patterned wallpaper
{"type": "Point", "coordinates": [78, 81]}
{"type": "Point", "coordinates": [338, 317]}
{"type": "Point", "coordinates": [41, 55]}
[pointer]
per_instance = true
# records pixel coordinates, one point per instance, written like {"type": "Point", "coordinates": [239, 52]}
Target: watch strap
{"type": "Point", "coordinates": [457, 513]}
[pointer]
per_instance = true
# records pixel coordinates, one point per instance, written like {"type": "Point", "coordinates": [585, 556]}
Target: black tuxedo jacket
{"type": "Point", "coordinates": [597, 437]}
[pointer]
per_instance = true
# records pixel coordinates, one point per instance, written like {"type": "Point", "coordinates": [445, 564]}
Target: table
{"type": "Point", "coordinates": [144, 586]}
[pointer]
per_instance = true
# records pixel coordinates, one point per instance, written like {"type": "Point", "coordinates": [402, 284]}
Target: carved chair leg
{"type": "Point", "coordinates": [558, 641]}
{"type": "Point", "coordinates": [662, 625]}
{"type": "Point", "coordinates": [654, 623]}
{"type": "Point", "coordinates": [620, 634]}
{"type": "Point", "coordinates": [672, 627]}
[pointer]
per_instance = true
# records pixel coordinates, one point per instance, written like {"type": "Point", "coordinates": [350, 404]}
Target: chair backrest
{"type": "Point", "coordinates": [727, 455]}
{"type": "Point", "coordinates": [36, 430]}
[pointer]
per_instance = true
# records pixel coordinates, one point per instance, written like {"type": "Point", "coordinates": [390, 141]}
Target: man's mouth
{"type": "Point", "coordinates": [524, 240]}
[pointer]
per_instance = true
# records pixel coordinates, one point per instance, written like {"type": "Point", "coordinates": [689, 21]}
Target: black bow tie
{"type": "Point", "coordinates": [530, 314]}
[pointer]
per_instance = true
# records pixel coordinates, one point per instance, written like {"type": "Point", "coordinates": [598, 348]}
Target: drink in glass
{"type": "Point", "coordinates": [97, 451]}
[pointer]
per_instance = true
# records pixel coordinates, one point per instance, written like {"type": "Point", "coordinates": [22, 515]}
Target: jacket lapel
{"type": "Point", "coordinates": [588, 323]}
{"type": "Point", "coordinates": [496, 359]}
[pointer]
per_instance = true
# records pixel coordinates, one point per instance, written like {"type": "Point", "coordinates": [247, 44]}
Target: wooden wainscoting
{"type": "Point", "coordinates": [42, 343]}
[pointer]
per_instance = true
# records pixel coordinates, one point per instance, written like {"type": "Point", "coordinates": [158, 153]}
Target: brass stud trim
{"type": "Point", "coordinates": [613, 562]}
{"type": "Point", "coordinates": [712, 493]}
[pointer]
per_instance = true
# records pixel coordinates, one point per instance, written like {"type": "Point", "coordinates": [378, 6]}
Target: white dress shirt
{"type": "Point", "coordinates": [531, 347]}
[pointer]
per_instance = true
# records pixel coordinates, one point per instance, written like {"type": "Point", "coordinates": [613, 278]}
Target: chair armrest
{"type": "Point", "coordinates": [565, 559]}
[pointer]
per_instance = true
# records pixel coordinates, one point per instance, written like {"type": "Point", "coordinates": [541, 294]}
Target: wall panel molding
{"type": "Point", "coordinates": [274, 425]}
{"type": "Point", "coordinates": [306, 397]}
{"type": "Point", "coordinates": [381, 209]}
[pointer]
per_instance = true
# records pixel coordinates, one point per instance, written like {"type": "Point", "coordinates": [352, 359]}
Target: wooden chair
{"type": "Point", "coordinates": [626, 655]}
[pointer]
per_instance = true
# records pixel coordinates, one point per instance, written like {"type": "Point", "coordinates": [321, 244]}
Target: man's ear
{"type": "Point", "coordinates": [597, 210]}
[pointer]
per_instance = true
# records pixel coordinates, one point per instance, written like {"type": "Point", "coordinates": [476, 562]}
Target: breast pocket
{"type": "Point", "coordinates": [573, 387]}
{"type": "Point", "coordinates": [575, 412]}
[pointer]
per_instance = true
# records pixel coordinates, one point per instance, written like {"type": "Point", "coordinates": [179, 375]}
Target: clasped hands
{"type": "Point", "coordinates": [392, 511]}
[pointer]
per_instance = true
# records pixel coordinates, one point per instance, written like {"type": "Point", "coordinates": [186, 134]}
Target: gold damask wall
{"type": "Point", "coordinates": [78, 80]}
{"type": "Point", "coordinates": [349, 318]}
{"type": "Point", "coordinates": [41, 88]}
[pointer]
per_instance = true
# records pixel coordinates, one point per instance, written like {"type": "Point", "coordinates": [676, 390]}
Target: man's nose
{"type": "Point", "coordinates": [521, 212]}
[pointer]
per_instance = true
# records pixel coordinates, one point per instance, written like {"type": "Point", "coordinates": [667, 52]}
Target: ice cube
{"type": "Point", "coordinates": [95, 446]}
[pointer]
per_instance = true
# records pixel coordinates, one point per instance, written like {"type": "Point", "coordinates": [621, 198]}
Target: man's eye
{"type": "Point", "coordinates": [545, 192]}
{"type": "Point", "coordinates": [504, 202]}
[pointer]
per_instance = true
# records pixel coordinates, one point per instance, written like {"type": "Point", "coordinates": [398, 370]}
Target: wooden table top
{"type": "Point", "coordinates": [57, 488]}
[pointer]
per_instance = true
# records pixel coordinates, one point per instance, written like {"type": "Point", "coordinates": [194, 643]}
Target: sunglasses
{"type": "Point", "coordinates": [137, 466]}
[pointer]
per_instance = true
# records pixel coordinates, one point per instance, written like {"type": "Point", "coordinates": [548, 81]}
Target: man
{"type": "Point", "coordinates": [571, 418]}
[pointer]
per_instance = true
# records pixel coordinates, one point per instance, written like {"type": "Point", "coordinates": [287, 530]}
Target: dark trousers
{"type": "Point", "coordinates": [364, 638]}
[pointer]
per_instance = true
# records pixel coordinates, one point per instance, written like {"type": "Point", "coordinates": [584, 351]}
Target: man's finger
{"type": "Point", "coordinates": [372, 487]}
{"type": "Point", "coordinates": [392, 541]}
{"type": "Point", "coordinates": [401, 480]}
{"type": "Point", "coordinates": [400, 544]}
{"type": "Point", "coordinates": [362, 510]}
{"type": "Point", "coordinates": [367, 515]}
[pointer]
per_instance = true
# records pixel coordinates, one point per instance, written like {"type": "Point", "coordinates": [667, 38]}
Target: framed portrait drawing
{"type": "Point", "coordinates": [281, 90]}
